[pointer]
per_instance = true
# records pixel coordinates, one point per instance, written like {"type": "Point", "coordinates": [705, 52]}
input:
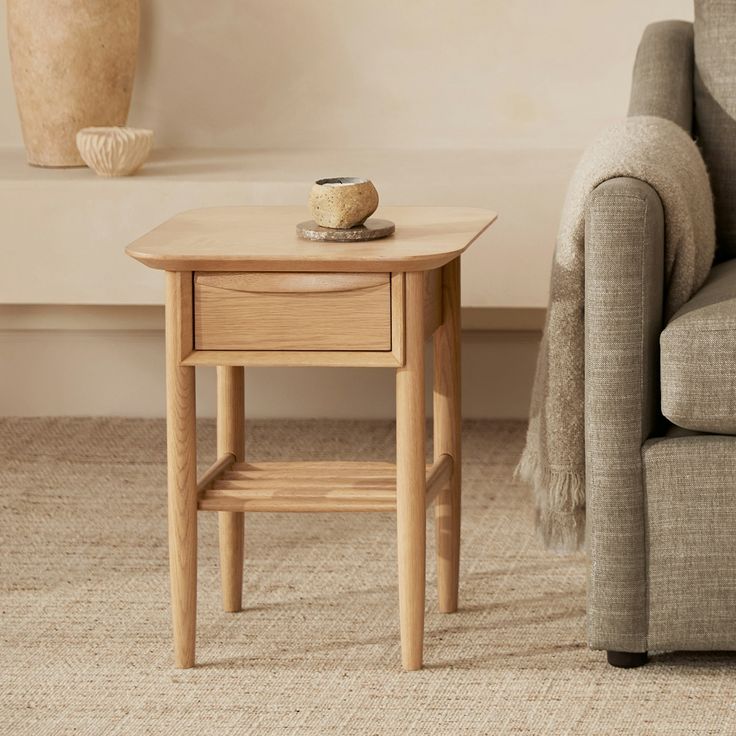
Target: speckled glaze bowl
{"type": "Point", "coordinates": [342, 202]}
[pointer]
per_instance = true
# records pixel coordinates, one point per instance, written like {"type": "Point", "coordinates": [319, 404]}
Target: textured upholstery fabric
{"type": "Point", "coordinates": [662, 82]}
{"type": "Point", "coordinates": [715, 108]}
{"type": "Point", "coordinates": [624, 245]}
{"type": "Point", "coordinates": [662, 512]}
{"type": "Point", "coordinates": [698, 357]}
{"type": "Point", "coordinates": [661, 153]}
{"type": "Point", "coordinates": [690, 487]}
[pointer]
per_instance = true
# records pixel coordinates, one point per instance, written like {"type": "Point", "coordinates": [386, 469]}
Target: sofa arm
{"type": "Point", "coordinates": [624, 252]}
{"type": "Point", "coordinates": [662, 83]}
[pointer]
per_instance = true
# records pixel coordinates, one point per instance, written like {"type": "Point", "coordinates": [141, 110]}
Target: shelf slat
{"type": "Point", "coordinates": [245, 500]}
{"type": "Point", "coordinates": [303, 486]}
{"type": "Point", "coordinates": [318, 469]}
{"type": "Point", "coordinates": [312, 486]}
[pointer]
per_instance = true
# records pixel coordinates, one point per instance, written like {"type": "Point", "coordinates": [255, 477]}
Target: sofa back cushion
{"type": "Point", "coordinates": [715, 109]}
{"type": "Point", "coordinates": [662, 82]}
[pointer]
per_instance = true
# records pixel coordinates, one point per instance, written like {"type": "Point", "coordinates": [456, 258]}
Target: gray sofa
{"type": "Point", "coordinates": [661, 399]}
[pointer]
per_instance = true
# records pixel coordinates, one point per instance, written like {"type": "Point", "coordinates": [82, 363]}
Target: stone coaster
{"type": "Point", "coordinates": [371, 229]}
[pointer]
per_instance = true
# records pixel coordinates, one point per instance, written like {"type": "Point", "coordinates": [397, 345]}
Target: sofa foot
{"type": "Point", "coordinates": [627, 660]}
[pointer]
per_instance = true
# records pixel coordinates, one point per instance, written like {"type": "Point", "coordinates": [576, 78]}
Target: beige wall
{"type": "Point", "coordinates": [381, 73]}
{"type": "Point", "coordinates": [528, 81]}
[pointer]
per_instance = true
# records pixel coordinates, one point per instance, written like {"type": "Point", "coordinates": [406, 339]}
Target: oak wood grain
{"type": "Point", "coordinates": [263, 298]}
{"type": "Point", "coordinates": [237, 501]}
{"type": "Point", "coordinates": [310, 468]}
{"type": "Point", "coordinates": [295, 358]}
{"type": "Point", "coordinates": [432, 301]}
{"type": "Point", "coordinates": [231, 440]}
{"type": "Point", "coordinates": [289, 283]}
{"type": "Point", "coordinates": [215, 471]}
{"type": "Point", "coordinates": [397, 318]}
{"type": "Point", "coordinates": [411, 476]}
{"type": "Point", "coordinates": [438, 477]}
{"type": "Point", "coordinates": [257, 312]}
{"type": "Point", "coordinates": [181, 444]}
{"type": "Point", "coordinates": [447, 440]}
{"type": "Point", "coordinates": [264, 239]}
{"type": "Point", "coordinates": [304, 487]}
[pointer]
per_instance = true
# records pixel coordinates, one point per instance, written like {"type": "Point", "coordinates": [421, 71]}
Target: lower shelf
{"type": "Point", "coordinates": [310, 486]}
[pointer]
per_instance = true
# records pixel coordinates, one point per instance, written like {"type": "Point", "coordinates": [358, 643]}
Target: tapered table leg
{"type": "Point", "coordinates": [231, 439]}
{"type": "Point", "coordinates": [410, 477]}
{"type": "Point", "coordinates": [447, 428]}
{"type": "Point", "coordinates": [182, 471]}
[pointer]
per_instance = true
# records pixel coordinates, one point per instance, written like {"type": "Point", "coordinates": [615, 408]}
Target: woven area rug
{"type": "Point", "coordinates": [84, 635]}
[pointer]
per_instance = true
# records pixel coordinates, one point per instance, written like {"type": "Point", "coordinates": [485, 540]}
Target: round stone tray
{"type": "Point", "coordinates": [371, 229]}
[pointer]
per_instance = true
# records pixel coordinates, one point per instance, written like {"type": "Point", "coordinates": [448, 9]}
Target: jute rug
{"type": "Point", "coordinates": [84, 635]}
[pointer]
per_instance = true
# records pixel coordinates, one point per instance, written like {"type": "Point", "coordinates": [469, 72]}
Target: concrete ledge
{"type": "Point", "coordinates": [65, 230]}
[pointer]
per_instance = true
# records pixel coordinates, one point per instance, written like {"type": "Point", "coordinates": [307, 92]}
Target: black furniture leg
{"type": "Point", "coordinates": [627, 660]}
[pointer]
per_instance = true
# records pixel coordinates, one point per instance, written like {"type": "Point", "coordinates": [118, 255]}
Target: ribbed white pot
{"type": "Point", "coordinates": [114, 151]}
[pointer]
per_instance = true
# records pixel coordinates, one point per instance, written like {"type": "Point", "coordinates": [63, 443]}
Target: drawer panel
{"type": "Point", "coordinates": [292, 311]}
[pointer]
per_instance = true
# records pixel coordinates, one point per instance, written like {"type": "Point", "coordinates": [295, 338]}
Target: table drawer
{"type": "Point", "coordinates": [292, 311]}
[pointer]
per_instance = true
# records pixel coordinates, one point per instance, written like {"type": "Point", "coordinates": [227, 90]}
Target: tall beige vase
{"type": "Point", "coordinates": [73, 64]}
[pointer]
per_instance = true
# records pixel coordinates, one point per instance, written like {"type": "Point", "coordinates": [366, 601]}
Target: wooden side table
{"type": "Point", "coordinates": [242, 289]}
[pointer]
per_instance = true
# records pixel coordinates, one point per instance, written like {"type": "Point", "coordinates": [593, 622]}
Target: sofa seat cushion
{"type": "Point", "coordinates": [698, 357]}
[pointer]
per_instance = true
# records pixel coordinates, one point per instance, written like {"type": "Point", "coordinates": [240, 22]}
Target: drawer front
{"type": "Point", "coordinates": [292, 311]}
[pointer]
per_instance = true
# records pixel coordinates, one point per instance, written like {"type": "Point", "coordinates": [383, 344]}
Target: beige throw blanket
{"type": "Point", "coordinates": [660, 153]}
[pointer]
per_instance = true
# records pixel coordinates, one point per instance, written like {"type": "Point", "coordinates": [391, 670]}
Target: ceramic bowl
{"type": "Point", "coordinates": [342, 202]}
{"type": "Point", "coordinates": [114, 151]}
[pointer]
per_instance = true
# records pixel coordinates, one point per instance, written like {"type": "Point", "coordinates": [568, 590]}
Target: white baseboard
{"type": "Point", "coordinates": [119, 371]}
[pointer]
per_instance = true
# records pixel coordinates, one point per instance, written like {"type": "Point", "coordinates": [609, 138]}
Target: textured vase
{"type": "Point", "coordinates": [343, 201]}
{"type": "Point", "coordinates": [73, 64]}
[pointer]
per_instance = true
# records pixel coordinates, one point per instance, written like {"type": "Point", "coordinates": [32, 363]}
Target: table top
{"type": "Point", "coordinates": [253, 238]}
